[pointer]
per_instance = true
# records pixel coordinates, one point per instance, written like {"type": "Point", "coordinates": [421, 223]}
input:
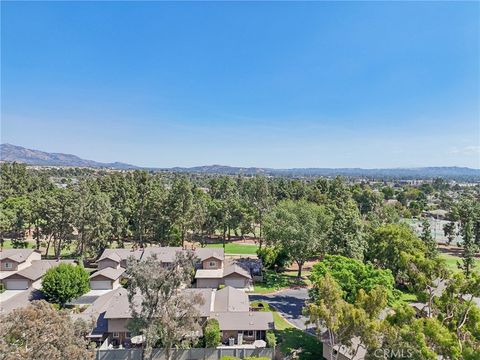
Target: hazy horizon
{"type": "Point", "coordinates": [278, 85]}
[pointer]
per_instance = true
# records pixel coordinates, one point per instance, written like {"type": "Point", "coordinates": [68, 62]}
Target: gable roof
{"type": "Point", "coordinates": [119, 307]}
{"type": "Point", "coordinates": [17, 255]}
{"type": "Point", "coordinates": [250, 320]}
{"type": "Point", "coordinates": [109, 273]}
{"type": "Point", "coordinates": [236, 269]}
{"type": "Point", "coordinates": [120, 254]}
{"type": "Point", "coordinates": [39, 268]}
{"type": "Point", "coordinates": [231, 299]}
{"type": "Point", "coordinates": [165, 254]}
{"type": "Point", "coordinates": [207, 253]}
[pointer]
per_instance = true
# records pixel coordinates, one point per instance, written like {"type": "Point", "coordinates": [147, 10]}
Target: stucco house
{"type": "Point", "coordinates": [12, 260]}
{"type": "Point", "coordinates": [106, 278]}
{"type": "Point", "coordinates": [31, 276]}
{"type": "Point", "coordinates": [230, 306]}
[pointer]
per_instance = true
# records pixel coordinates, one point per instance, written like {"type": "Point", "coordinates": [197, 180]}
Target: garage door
{"type": "Point", "coordinates": [100, 285]}
{"type": "Point", "coordinates": [236, 283]}
{"type": "Point", "coordinates": [16, 284]}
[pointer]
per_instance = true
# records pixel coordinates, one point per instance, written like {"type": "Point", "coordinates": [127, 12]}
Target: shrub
{"type": "Point", "coordinates": [211, 333]}
{"type": "Point", "coordinates": [273, 258]}
{"type": "Point", "coordinates": [271, 339]}
{"type": "Point", "coordinates": [256, 358]}
{"type": "Point", "coordinates": [64, 282]}
{"type": "Point", "coordinates": [229, 358]}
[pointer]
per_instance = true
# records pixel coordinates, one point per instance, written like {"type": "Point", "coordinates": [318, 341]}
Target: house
{"type": "Point", "coordinates": [213, 270]}
{"type": "Point", "coordinates": [116, 258]}
{"type": "Point", "coordinates": [12, 260]}
{"type": "Point", "coordinates": [106, 279]}
{"type": "Point", "coordinates": [230, 306]}
{"type": "Point", "coordinates": [341, 352]}
{"type": "Point", "coordinates": [31, 276]}
{"type": "Point", "coordinates": [232, 274]}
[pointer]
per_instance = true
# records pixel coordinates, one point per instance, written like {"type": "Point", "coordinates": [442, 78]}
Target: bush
{"type": "Point", "coordinates": [271, 339]}
{"type": "Point", "coordinates": [273, 257]}
{"type": "Point", "coordinates": [229, 358]}
{"type": "Point", "coordinates": [64, 282]}
{"type": "Point", "coordinates": [211, 333]}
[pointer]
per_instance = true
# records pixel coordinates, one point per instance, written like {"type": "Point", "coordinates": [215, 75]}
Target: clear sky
{"type": "Point", "coordinates": [326, 84]}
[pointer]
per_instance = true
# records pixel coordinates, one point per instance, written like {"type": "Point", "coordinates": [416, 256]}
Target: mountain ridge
{"type": "Point", "coordinates": [14, 153]}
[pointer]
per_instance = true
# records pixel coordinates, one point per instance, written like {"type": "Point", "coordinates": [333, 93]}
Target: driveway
{"type": "Point", "coordinates": [289, 303]}
{"type": "Point", "coordinates": [19, 300]}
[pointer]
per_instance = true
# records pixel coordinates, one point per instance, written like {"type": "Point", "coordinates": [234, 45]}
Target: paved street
{"type": "Point", "coordinates": [289, 304]}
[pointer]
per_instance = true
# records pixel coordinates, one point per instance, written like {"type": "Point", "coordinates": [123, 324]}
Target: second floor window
{"type": "Point", "coordinates": [212, 264]}
{"type": "Point", "coordinates": [8, 265]}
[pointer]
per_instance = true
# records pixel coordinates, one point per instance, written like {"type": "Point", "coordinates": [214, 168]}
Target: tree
{"type": "Point", "coordinates": [344, 321]}
{"type": "Point", "coordinates": [211, 333]}
{"type": "Point", "coordinates": [161, 311]}
{"type": "Point", "coordinates": [38, 331]}
{"type": "Point", "coordinates": [450, 231]}
{"type": "Point", "coordinates": [64, 282]}
{"type": "Point", "coordinates": [299, 228]}
{"type": "Point", "coordinates": [427, 238]}
{"type": "Point", "coordinates": [180, 205]}
{"type": "Point", "coordinates": [352, 276]}
{"type": "Point", "coordinates": [395, 247]}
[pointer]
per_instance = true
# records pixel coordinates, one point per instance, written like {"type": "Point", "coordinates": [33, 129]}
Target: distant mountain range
{"type": "Point", "coordinates": [13, 153]}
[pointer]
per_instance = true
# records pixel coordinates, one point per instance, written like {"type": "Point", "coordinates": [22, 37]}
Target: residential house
{"type": "Point", "coordinates": [31, 276]}
{"type": "Point", "coordinates": [230, 306]}
{"type": "Point", "coordinates": [12, 260]}
{"type": "Point", "coordinates": [213, 270]}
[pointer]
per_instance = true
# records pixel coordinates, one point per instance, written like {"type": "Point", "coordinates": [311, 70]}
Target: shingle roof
{"type": "Point", "coordinates": [208, 295]}
{"type": "Point", "coordinates": [231, 299]}
{"type": "Point", "coordinates": [237, 269]}
{"type": "Point", "coordinates": [253, 320]}
{"type": "Point", "coordinates": [18, 255]}
{"type": "Point", "coordinates": [109, 273]}
{"type": "Point", "coordinates": [209, 274]}
{"type": "Point", "coordinates": [165, 254]}
{"type": "Point", "coordinates": [120, 254]}
{"type": "Point", "coordinates": [39, 268]}
{"type": "Point", "coordinates": [207, 253]}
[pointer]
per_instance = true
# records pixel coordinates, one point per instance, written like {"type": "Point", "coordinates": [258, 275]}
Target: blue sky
{"type": "Point", "coordinates": [326, 84]}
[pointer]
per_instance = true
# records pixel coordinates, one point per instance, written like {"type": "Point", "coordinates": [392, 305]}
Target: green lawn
{"type": "Point", "coordinates": [273, 281]}
{"type": "Point", "coordinates": [289, 338]}
{"type": "Point", "coordinates": [235, 248]}
{"type": "Point", "coordinates": [451, 262]}
{"type": "Point", "coordinates": [65, 253]}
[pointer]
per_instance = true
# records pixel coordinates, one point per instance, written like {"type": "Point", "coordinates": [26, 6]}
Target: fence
{"type": "Point", "coordinates": [183, 354]}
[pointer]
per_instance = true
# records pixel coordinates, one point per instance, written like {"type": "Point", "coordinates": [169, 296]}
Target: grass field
{"type": "Point", "coordinates": [273, 281]}
{"type": "Point", "coordinates": [234, 248]}
{"type": "Point", "coordinates": [65, 253]}
{"type": "Point", "coordinates": [289, 338]}
{"type": "Point", "coordinates": [452, 260]}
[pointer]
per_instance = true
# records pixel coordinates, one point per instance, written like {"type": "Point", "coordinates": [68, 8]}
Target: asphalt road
{"type": "Point", "coordinates": [289, 304]}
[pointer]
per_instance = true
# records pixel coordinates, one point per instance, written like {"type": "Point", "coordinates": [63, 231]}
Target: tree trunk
{"type": "Point", "coordinates": [299, 273]}
{"type": "Point", "coordinates": [48, 245]}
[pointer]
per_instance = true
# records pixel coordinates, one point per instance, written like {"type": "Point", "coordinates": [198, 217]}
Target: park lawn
{"type": "Point", "coordinates": [289, 338]}
{"type": "Point", "coordinates": [235, 248]}
{"type": "Point", "coordinates": [273, 281]}
{"type": "Point", "coordinates": [451, 262]}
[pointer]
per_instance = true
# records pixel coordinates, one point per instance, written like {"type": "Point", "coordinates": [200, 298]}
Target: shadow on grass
{"type": "Point", "coordinates": [292, 339]}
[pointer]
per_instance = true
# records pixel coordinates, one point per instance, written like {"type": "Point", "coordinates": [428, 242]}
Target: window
{"type": "Point", "coordinates": [128, 335]}
{"type": "Point", "coordinates": [248, 333]}
{"type": "Point", "coordinates": [115, 334]}
{"type": "Point", "coordinates": [212, 264]}
{"type": "Point", "coordinates": [8, 265]}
